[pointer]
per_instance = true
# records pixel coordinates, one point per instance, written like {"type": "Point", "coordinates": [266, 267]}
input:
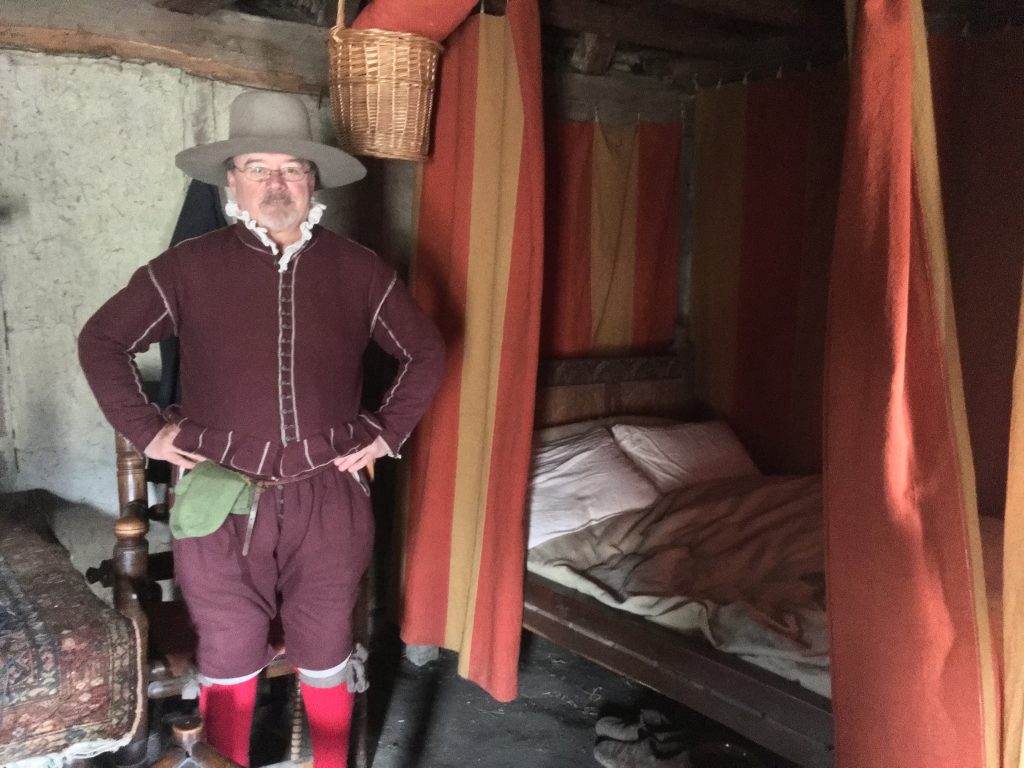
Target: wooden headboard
{"type": "Point", "coordinates": [586, 388]}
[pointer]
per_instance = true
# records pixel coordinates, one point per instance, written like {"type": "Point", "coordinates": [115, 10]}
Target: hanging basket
{"type": "Point", "coordinates": [382, 90]}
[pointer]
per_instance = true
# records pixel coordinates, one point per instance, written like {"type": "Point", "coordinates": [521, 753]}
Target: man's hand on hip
{"type": "Point", "coordinates": [363, 457]}
{"type": "Point", "coordinates": [162, 448]}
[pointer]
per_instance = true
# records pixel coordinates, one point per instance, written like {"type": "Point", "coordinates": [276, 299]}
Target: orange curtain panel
{"type": "Point", "coordinates": [612, 235]}
{"type": "Point", "coordinates": [1013, 573]}
{"type": "Point", "coordinates": [435, 19]}
{"type": "Point", "coordinates": [767, 156]}
{"type": "Point", "coordinates": [478, 271]}
{"type": "Point", "coordinates": [982, 163]}
{"type": "Point", "coordinates": [913, 673]}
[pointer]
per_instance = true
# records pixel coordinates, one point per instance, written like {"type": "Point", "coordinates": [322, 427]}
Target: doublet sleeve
{"type": "Point", "coordinates": [135, 317]}
{"type": "Point", "coordinates": [405, 332]}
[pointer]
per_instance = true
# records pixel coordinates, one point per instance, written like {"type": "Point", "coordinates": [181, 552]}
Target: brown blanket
{"type": "Point", "coordinates": [740, 560]}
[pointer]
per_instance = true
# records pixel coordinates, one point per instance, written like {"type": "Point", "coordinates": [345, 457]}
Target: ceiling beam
{"type": "Point", "coordinates": [226, 46]}
{"type": "Point", "coordinates": [615, 100]}
{"type": "Point", "coordinates": [198, 7]}
{"type": "Point", "coordinates": [649, 27]}
{"type": "Point", "coordinates": [786, 14]}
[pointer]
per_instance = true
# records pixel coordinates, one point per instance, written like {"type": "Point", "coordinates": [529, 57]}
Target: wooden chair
{"type": "Point", "coordinates": [164, 626]}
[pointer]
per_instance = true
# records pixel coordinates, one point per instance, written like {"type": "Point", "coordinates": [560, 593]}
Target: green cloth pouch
{"type": "Point", "coordinates": [205, 497]}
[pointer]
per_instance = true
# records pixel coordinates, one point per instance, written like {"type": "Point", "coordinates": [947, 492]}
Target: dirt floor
{"type": "Point", "coordinates": [428, 717]}
{"type": "Point", "coordinates": [435, 719]}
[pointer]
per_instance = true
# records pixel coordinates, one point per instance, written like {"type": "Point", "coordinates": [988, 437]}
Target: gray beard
{"type": "Point", "coordinates": [279, 218]}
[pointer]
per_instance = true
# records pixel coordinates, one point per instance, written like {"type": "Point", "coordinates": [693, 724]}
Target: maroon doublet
{"type": "Point", "coordinates": [271, 376]}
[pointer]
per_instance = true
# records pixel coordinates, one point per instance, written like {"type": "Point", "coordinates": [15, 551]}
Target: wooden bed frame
{"type": "Point", "coordinates": [776, 713]}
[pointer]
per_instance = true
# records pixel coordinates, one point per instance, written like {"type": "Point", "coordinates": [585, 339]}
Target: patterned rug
{"type": "Point", "coordinates": [69, 666]}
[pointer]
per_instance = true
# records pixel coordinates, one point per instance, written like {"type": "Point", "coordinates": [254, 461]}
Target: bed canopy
{"type": "Point", "coordinates": [920, 674]}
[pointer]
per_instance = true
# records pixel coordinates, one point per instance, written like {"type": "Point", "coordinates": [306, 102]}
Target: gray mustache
{"type": "Point", "coordinates": [277, 198]}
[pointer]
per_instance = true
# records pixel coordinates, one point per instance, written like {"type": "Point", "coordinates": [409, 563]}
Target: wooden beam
{"type": "Point", "coordinates": [645, 26]}
{"type": "Point", "coordinates": [979, 14]}
{"type": "Point", "coordinates": [947, 6]}
{"type": "Point", "coordinates": [197, 7]}
{"type": "Point", "coordinates": [786, 14]}
{"type": "Point", "coordinates": [303, 11]}
{"type": "Point", "coordinates": [226, 46]}
{"type": "Point", "coordinates": [614, 99]}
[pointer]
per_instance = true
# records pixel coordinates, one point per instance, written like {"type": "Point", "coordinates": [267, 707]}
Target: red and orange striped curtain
{"type": "Point", "coordinates": [767, 156]}
{"type": "Point", "coordinates": [478, 271]}
{"type": "Point", "coordinates": [983, 185]}
{"type": "Point", "coordinates": [914, 677]}
{"type": "Point", "coordinates": [612, 238]}
{"type": "Point", "coordinates": [1012, 609]}
{"type": "Point", "coordinates": [982, 166]}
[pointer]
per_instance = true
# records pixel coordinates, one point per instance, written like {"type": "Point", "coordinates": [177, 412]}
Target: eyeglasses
{"type": "Point", "coordinates": [260, 173]}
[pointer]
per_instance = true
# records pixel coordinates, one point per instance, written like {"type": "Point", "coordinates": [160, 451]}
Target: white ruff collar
{"type": "Point", "coordinates": [306, 228]}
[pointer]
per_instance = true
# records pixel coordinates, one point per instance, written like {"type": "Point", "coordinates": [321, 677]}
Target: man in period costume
{"type": "Point", "coordinates": [273, 314]}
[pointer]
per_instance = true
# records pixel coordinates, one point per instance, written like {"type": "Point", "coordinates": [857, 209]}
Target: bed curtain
{"type": "Point", "coordinates": [1013, 574]}
{"type": "Point", "coordinates": [982, 164]}
{"type": "Point", "coordinates": [767, 155]}
{"type": "Point", "coordinates": [913, 664]}
{"type": "Point", "coordinates": [477, 270]}
{"type": "Point", "coordinates": [611, 270]}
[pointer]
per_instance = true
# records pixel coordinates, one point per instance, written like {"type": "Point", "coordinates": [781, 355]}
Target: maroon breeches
{"type": "Point", "coordinates": [311, 544]}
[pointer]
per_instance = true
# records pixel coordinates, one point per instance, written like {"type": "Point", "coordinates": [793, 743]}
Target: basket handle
{"type": "Point", "coordinates": [341, 14]}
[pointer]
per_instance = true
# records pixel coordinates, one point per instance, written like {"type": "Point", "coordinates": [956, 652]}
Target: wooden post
{"type": "Point", "coordinates": [131, 473]}
{"type": "Point", "coordinates": [131, 551]}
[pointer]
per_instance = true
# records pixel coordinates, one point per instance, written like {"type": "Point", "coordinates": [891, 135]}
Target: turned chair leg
{"type": "Point", "coordinates": [130, 553]}
{"type": "Point", "coordinates": [190, 749]}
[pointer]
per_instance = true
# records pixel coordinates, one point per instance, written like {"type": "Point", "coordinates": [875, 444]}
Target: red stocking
{"type": "Point", "coordinates": [329, 711]}
{"type": "Point", "coordinates": [227, 716]}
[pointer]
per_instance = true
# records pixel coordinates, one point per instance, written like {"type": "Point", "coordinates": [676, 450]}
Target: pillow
{"type": "Point", "coordinates": [684, 454]}
{"type": "Point", "coordinates": [581, 480]}
{"type": "Point", "coordinates": [557, 432]}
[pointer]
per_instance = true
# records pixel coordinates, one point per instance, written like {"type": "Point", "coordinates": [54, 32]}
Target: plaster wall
{"type": "Point", "coordinates": [88, 193]}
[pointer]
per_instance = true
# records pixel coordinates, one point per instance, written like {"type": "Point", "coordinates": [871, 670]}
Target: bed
{"type": "Point", "coordinates": [575, 598]}
{"type": "Point", "coordinates": [582, 584]}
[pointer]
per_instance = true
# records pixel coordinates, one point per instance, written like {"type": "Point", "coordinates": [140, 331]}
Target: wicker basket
{"type": "Point", "coordinates": [382, 90]}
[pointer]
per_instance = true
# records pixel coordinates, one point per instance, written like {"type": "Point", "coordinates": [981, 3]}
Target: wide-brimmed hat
{"type": "Point", "coordinates": [264, 121]}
